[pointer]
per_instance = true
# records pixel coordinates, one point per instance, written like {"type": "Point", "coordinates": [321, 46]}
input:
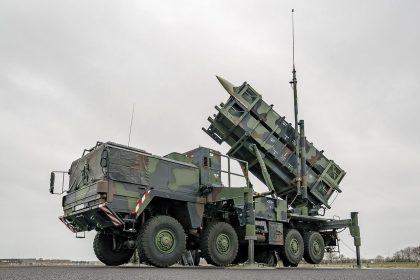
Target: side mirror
{"type": "Point", "coordinates": [52, 181]}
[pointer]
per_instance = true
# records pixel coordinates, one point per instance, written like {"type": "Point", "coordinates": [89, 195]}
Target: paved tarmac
{"type": "Point", "coordinates": [201, 273]}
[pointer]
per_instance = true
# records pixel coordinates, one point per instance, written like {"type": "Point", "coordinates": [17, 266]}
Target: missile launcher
{"type": "Point", "coordinates": [178, 208]}
{"type": "Point", "coordinates": [246, 120]}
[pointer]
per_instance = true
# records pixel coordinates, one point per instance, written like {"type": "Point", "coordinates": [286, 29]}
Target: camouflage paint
{"type": "Point", "coordinates": [121, 176]}
{"type": "Point", "coordinates": [246, 119]}
{"type": "Point", "coordinates": [223, 193]}
{"type": "Point", "coordinates": [122, 181]}
{"type": "Point", "coordinates": [183, 178]}
{"type": "Point", "coordinates": [272, 209]}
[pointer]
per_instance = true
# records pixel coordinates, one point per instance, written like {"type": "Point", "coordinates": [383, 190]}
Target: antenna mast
{"type": "Point", "coordinates": [131, 125]}
{"type": "Point", "coordinates": [293, 83]}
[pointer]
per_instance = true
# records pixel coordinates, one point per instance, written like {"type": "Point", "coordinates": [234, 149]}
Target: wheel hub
{"type": "Point", "coordinates": [165, 241]}
{"type": "Point", "coordinates": [316, 247]}
{"type": "Point", "coordinates": [294, 246]}
{"type": "Point", "coordinates": [223, 243]}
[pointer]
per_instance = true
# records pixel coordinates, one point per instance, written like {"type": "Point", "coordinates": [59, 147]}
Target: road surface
{"type": "Point", "coordinates": [201, 273]}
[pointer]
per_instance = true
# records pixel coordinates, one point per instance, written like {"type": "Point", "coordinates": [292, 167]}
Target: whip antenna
{"type": "Point", "coordinates": [131, 125]}
{"type": "Point", "coordinates": [293, 83]}
{"type": "Point", "coordinates": [293, 37]}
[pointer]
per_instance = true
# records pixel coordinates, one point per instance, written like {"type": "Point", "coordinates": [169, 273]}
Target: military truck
{"type": "Point", "coordinates": [174, 207]}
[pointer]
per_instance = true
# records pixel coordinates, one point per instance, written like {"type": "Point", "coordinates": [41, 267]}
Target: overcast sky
{"type": "Point", "coordinates": [70, 72]}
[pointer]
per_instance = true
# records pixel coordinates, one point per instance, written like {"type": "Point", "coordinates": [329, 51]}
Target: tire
{"type": "Point", "coordinates": [314, 247]}
{"type": "Point", "coordinates": [219, 244]}
{"type": "Point", "coordinates": [266, 256]}
{"type": "Point", "coordinates": [161, 241]}
{"type": "Point", "coordinates": [103, 248]}
{"type": "Point", "coordinates": [292, 251]}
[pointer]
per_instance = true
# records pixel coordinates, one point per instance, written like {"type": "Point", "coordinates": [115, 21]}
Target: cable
{"type": "Point", "coordinates": [348, 247]}
{"type": "Point", "coordinates": [336, 194]}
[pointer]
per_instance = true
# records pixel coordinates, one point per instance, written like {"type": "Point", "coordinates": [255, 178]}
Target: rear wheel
{"type": "Point", "coordinates": [314, 247]}
{"type": "Point", "coordinates": [292, 251]}
{"type": "Point", "coordinates": [103, 246]}
{"type": "Point", "coordinates": [161, 241]}
{"type": "Point", "coordinates": [219, 244]}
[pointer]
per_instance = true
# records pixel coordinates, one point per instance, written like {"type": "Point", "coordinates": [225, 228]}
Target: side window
{"type": "Point", "coordinates": [206, 162]}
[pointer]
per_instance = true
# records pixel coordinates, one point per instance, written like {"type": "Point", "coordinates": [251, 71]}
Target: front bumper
{"type": "Point", "coordinates": [87, 208]}
{"type": "Point", "coordinates": [96, 217]}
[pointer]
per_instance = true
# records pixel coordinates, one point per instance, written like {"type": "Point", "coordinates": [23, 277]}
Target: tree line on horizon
{"type": "Point", "coordinates": [408, 254]}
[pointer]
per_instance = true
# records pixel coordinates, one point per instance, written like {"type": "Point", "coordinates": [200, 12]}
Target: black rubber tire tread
{"type": "Point", "coordinates": [147, 251]}
{"type": "Point", "coordinates": [102, 246]}
{"type": "Point", "coordinates": [308, 238]}
{"type": "Point", "coordinates": [267, 257]}
{"type": "Point", "coordinates": [286, 256]}
{"type": "Point", "coordinates": [208, 241]}
{"type": "Point", "coordinates": [140, 250]}
{"type": "Point", "coordinates": [242, 255]}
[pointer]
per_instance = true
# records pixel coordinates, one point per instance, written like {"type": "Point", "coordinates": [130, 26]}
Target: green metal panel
{"type": "Point", "coordinates": [246, 120]}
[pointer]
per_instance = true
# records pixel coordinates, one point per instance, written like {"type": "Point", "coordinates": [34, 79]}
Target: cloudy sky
{"type": "Point", "coordinates": [70, 72]}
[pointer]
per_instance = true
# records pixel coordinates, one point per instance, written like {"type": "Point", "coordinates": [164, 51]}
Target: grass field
{"type": "Point", "coordinates": [373, 264]}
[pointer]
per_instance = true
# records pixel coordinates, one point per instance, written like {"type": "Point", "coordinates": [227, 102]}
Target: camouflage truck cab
{"type": "Point", "coordinates": [125, 194]}
{"type": "Point", "coordinates": [112, 184]}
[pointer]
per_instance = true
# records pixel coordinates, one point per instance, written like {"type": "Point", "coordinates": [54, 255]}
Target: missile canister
{"type": "Point", "coordinates": [246, 119]}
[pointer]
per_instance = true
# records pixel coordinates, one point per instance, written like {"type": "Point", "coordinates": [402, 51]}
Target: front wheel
{"type": "Point", "coordinates": [103, 246]}
{"type": "Point", "coordinates": [219, 244]}
{"type": "Point", "coordinates": [292, 251]}
{"type": "Point", "coordinates": [161, 241]}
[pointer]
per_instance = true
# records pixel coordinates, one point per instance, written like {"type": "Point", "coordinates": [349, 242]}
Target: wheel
{"type": "Point", "coordinates": [265, 256]}
{"type": "Point", "coordinates": [292, 251]}
{"type": "Point", "coordinates": [314, 247]}
{"type": "Point", "coordinates": [219, 244]}
{"type": "Point", "coordinates": [161, 241]}
{"type": "Point", "coordinates": [103, 247]}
